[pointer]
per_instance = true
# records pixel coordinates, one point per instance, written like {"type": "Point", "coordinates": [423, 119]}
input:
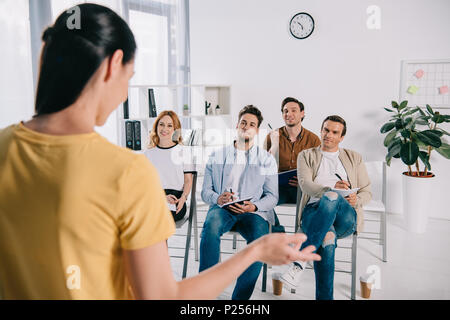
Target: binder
{"type": "Point", "coordinates": [129, 134]}
{"type": "Point", "coordinates": [137, 135]}
{"type": "Point", "coordinates": [151, 104]}
{"type": "Point", "coordinates": [126, 110]}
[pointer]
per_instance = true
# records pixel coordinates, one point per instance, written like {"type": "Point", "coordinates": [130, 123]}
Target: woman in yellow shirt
{"type": "Point", "coordinates": [81, 218]}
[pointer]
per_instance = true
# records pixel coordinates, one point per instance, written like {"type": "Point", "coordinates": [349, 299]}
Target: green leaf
{"type": "Point", "coordinates": [437, 118]}
{"type": "Point", "coordinates": [409, 152]}
{"type": "Point", "coordinates": [406, 134]}
{"type": "Point", "coordinates": [444, 150]}
{"type": "Point", "coordinates": [403, 105]}
{"type": "Point", "coordinates": [421, 111]}
{"type": "Point", "coordinates": [430, 111]}
{"type": "Point", "coordinates": [394, 104]}
{"type": "Point", "coordinates": [394, 148]}
{"type": "Point", "coordinates": [422, 120]}
{"type": "Point", "coordinates": [410, 112]}
{"type": "Point", "coordinates": [388, 160]}
{"type": "Point", "coordinates": [390, 136]}
{"type": "Point", "coordinates": [439, 133]}
{"type": "Point", "coordinates": [446, 118]}
{"type": "Point", "coordinates": [387, 127]}
{"type": "Point", "coordinates": [389, 110]}
{"type": "Point", "coordinates": [429, 138]}
{"type": "Point", "coordinates": [399, 124]}
{"type": "Point", "coordinates": [424, 157]}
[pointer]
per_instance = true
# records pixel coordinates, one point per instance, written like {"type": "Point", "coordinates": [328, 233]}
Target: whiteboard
{"type": "Point", "coordinates": [425, 82]}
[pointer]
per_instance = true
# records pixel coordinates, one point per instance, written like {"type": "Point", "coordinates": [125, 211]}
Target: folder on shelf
{"type": "Point", "coordinates": [137, 136]}
{"type": "Point", "coordinates": [129, 134]}
{"type": "Point", "coordinates": [151, 104]}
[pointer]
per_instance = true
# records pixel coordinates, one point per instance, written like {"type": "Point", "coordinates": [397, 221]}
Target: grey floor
{"type": "Point", "coordinates": [418, 266]}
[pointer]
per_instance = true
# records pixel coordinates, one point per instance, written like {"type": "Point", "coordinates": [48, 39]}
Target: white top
{"type": "Point", "coordinates": [171, 164]}
{"type": "Point", "coordinates": [326, 175]}
{"type": "Point", "coordinates": [234, 180]}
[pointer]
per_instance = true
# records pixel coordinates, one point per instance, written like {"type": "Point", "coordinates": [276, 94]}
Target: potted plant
{"type": "Point", "coordinates": [412, 134]}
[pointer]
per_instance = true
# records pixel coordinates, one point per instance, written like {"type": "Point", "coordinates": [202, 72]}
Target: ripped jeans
{"type": "Point", "coordinates": [333, 214]}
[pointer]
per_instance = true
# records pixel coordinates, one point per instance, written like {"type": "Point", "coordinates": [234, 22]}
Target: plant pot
{"type": "Point", "coordinates": [416, 196]}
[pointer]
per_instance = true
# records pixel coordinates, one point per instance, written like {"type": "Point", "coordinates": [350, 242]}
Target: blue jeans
{"type": "Point", "coordinates": [332, 213]}
{"type": "Point", "coordinates": [250, 226]}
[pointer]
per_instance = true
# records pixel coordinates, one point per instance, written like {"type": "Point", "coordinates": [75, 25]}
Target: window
{"type": "Point", "coordinates": [152, 59]}
{"type": "Point", "coordinates": [16, 77]}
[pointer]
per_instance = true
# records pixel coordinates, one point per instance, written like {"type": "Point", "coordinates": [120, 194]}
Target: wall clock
{"type": "Point", "coordinates": [301, 25]}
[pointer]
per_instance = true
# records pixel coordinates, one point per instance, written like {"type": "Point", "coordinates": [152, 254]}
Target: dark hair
{"type": "Point", "coordinates": [290, 99]}
{"type": "Point", "coordinates": [336, 118]}
{"type": "Point", "coordinates": [70, 57]}
{"type": "Point", "coordinates": [252, 110]}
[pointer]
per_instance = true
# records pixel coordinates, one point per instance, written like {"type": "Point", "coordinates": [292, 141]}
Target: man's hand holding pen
{"type": "Point", "coordinates": [342, 184]}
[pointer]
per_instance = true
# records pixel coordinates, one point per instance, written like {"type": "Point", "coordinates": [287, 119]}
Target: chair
{"type": "Point", "coordinates": [377, 174]}
{"type": "Point", "coordinates": [192, 219]}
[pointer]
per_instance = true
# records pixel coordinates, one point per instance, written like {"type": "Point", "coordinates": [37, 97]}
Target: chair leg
{"type": "Point", "coordinates": [188, 242]}
{"type": "Point", "coordinates": [264, 279]}
{"type": "Point", "coordinates": [384, 235]}
{"type": "Point", "coordinates": [354, 249]}
{"type": "Point", "coordinates": [196, 233]}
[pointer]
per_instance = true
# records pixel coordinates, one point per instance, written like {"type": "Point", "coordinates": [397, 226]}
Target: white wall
{"type": "Point", "coordinates": [343, 68]}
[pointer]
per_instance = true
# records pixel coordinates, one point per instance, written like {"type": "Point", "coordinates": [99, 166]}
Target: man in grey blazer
{"type": "Point", "coordinates": [327, 213]}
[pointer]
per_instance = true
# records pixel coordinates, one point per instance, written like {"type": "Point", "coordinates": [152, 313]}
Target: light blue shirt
{"type": "Point", "coordinates": [259, 179]}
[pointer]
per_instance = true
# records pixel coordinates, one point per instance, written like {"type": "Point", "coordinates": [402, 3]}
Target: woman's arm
{"type": "Point", "coordinates": [186, 190]}
{"type": "Point", "coordinates": [187, 185]}
{"type": "Point", "coordinates": [151, 277]}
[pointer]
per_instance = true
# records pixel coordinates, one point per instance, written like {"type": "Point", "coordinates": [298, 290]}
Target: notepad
{"type": "Point", "coordinates": [284, 177]}
{"type": "Point", "coordinates": [419, 73]}
{"type": "Point", "coordinates": [443, 90]}
{"type": "Point", "coordinates": [413, 89]}
{"type": "Point", "coordinates": [239, 201]}
{"type": "Point", "coordinates": [345, 192]}
{"type": "Point", "coordinates": [172, 206]}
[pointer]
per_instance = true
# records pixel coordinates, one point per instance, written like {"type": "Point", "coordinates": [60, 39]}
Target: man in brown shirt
{"type": "Point", "coordinates": [287, 142]}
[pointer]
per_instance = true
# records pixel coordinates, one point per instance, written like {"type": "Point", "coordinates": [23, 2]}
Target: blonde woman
{"type": "Point", "coordinates": [171, 159]}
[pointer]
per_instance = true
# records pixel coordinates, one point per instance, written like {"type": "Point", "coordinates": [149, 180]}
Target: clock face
{"type": "Point", "coordinates": [301, 25]}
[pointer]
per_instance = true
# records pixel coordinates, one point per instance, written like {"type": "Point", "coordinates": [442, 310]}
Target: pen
{"type": "Point", "coordinates": [339, 177]}
{"type": "Point", "coordinates": [269, 126]}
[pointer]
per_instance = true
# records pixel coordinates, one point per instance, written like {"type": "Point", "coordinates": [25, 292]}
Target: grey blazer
{"type": "Point", "coordinates": [308, 163]}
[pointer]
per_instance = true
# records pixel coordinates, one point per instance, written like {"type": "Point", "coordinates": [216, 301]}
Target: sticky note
{"type": "Point", "coordinates": [413, 89]}
{"type": "Point", "coordinates": [443, 90]}
{"type": "Point", "coordinates": [419, 73]}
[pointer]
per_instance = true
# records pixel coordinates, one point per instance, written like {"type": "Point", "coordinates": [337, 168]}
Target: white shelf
{"type": "Point", "coordinates": [171, 97]}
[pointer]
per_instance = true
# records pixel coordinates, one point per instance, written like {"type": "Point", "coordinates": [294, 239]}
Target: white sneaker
{"type": "Point", "coordinates": [292, 277]}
